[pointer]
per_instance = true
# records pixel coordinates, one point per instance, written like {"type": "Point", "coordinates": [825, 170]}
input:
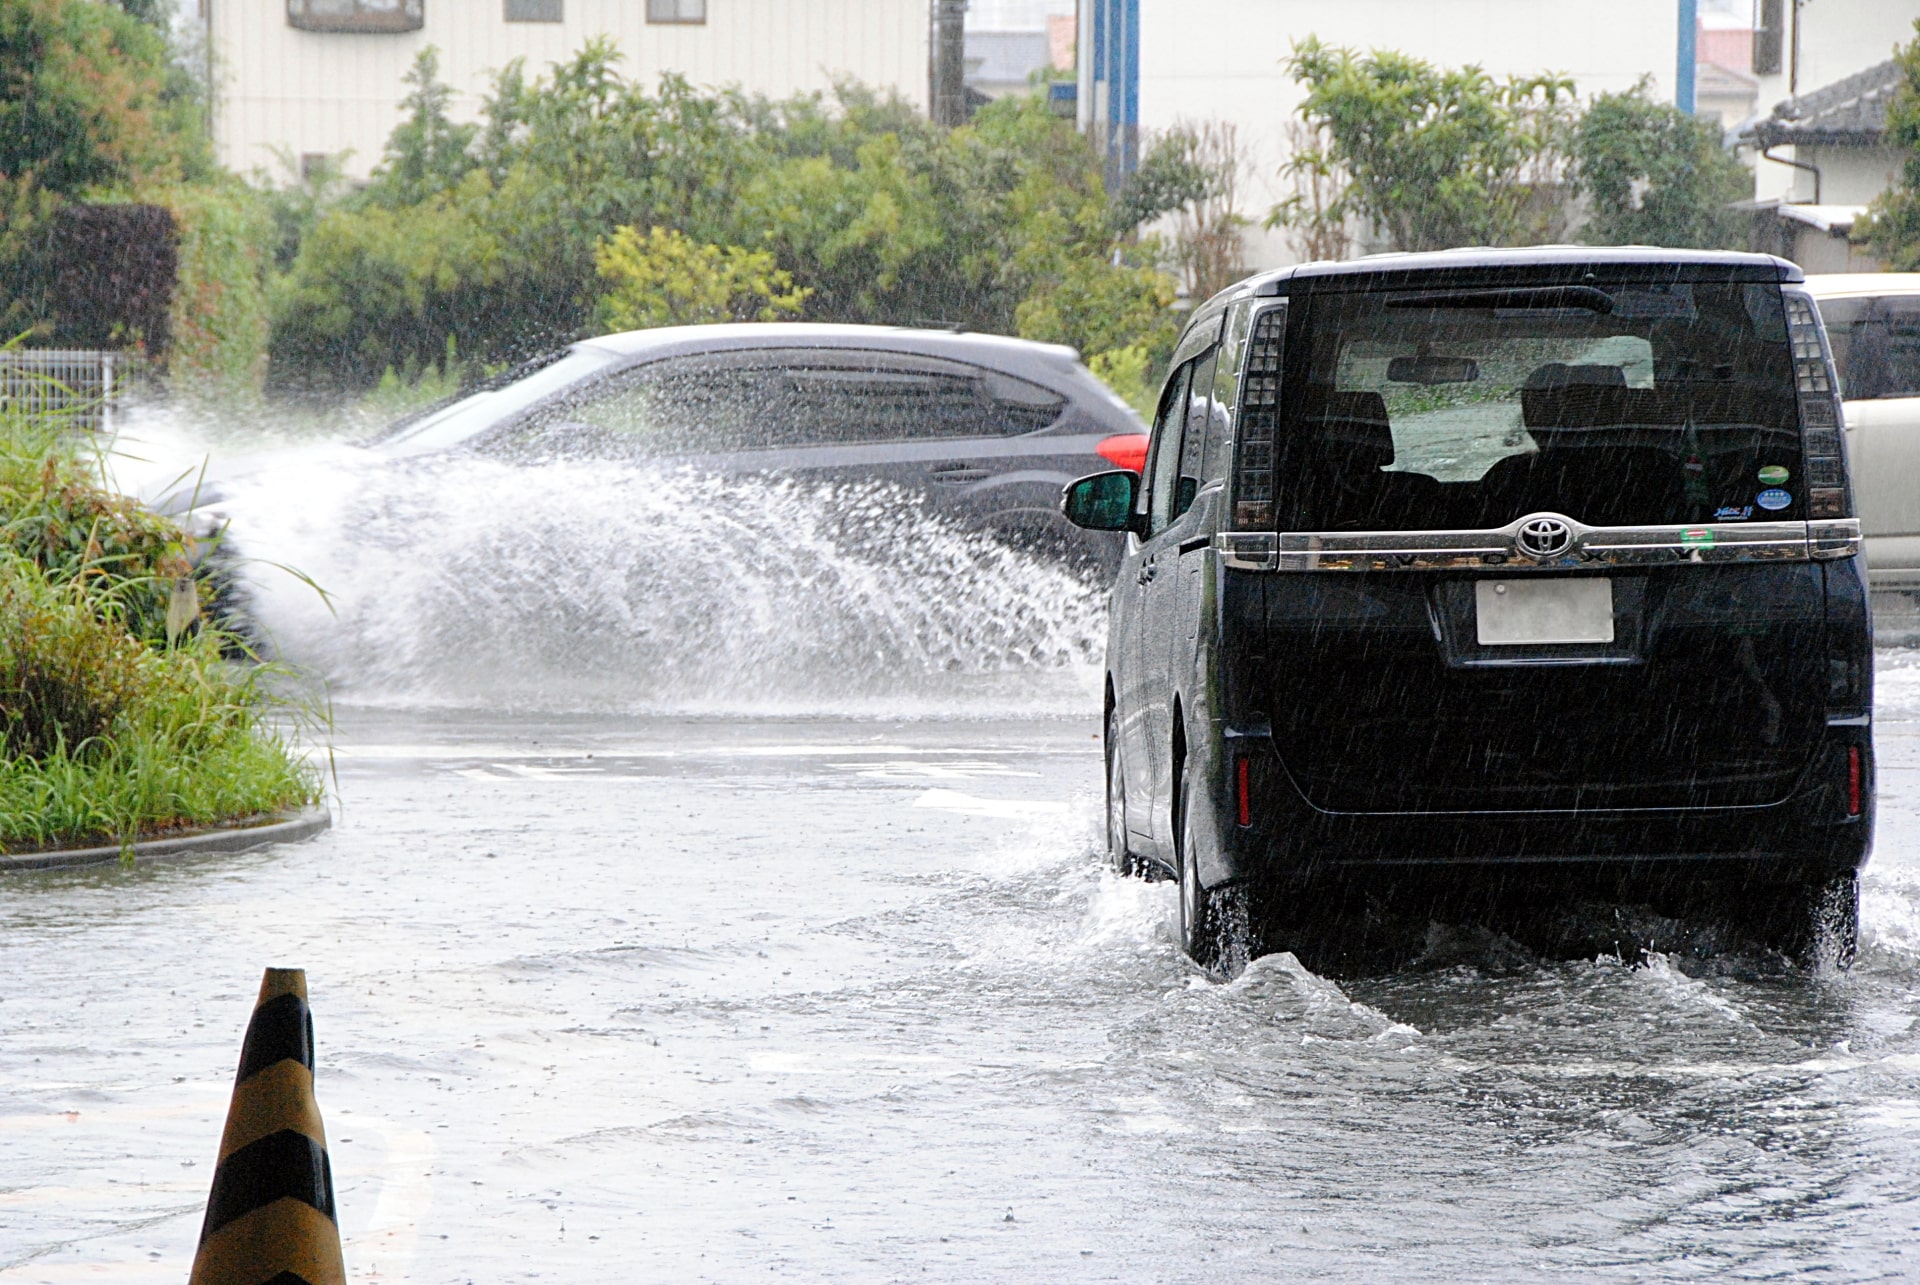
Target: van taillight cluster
{"type": "Point", "coordinates": [1259, 417]}
{"type": "Point", "coordinates": [1820, 416]}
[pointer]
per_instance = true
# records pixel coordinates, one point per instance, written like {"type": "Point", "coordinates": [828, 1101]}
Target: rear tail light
{"type": "Point", "coordinates": [1127, 451]}
{"type": "Point", "coordinates": [1853, 780]}
{"type": "Point", "coordinates": [1258, 420]}
{"type": "Point", "coordinates": [1242, 796]}
{"type": "Point", "coordinates": [1821, 419]}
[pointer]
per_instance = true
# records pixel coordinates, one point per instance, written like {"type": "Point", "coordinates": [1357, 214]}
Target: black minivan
{"type": "Point", "coordinates": [1478, 563]}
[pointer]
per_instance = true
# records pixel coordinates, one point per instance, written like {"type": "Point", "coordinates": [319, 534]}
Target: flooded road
{"type": "Point", "coordinates": [704, 998]}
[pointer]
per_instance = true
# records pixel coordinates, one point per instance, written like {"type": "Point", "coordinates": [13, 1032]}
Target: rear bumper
{"type": "Point", "coordinates": [1809, 833]}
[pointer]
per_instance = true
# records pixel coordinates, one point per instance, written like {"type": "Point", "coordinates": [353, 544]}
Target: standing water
{"type": "Point", "coordinates": [704, 905]}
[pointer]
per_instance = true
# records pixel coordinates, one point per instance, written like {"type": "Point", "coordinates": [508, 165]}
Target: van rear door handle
{"type": "Point", "coordinates": [1147, 572]}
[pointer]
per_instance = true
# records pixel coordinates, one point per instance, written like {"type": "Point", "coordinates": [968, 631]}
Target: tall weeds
{"type": "Point", "coordinates": [120, 713]}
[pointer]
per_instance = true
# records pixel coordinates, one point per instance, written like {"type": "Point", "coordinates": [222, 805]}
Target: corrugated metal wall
{"type": "Point", "coordinates": [308, 92]}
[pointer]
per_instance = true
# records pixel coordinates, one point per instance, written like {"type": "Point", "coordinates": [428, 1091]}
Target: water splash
{"type": "Point", "coordinates": [584, 586]}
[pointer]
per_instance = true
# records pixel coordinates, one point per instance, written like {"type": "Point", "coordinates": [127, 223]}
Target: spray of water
{"type": "Point", "coordinates": [574, 585]}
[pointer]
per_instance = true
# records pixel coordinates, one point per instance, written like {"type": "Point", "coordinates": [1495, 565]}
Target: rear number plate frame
{"type": "Point", "coordinates": [1544, 611]}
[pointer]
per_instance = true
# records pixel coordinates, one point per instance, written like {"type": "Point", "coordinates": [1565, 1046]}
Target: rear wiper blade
{"type": "Point", "coordinates": [1540, 297]}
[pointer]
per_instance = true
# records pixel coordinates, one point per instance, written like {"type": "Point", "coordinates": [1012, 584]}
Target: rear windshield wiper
{"type": "Point", "coordinates": [1542, 297]}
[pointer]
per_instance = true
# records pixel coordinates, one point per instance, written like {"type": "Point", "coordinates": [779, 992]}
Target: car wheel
{"type": "Point", "coordinates": [1216, 925]}
{"type": "Point", "coordinates": [1119, 855]}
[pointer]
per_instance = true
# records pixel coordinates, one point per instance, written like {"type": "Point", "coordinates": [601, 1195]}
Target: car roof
{"type": "Point", "coordinates": [1493, 261]}
{"type": "Point", "coordinates": [1001, 352]}
{"type": "Point", "coordinates": [1835, 285]}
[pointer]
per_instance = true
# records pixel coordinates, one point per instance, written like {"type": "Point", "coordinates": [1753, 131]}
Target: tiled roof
{"type": "Point", "coordinates": [1851, 111]}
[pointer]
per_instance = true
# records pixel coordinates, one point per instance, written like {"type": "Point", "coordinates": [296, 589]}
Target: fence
{"type": "Point", "coordinates": [84, 383]}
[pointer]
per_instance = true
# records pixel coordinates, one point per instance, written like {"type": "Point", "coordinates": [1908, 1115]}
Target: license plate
{"type": "Point", "coordinates": [1541, 610]}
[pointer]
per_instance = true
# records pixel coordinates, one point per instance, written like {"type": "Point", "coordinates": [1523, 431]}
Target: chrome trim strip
{"type": "Point", "coordinates": [1707, 542]}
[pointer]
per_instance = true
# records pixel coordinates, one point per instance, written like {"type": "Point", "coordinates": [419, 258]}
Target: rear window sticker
{"type": "Point", "coordinates": [1774, 475]}
{"type": "Point", "coordinates": [1698, 537]}
{"type": "Point", "coordinates": [1733, 513]}
{"type": "Point", "coordinates": [1773, 498]}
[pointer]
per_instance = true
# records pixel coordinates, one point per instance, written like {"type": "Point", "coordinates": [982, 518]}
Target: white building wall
{"type": "Point", "coordinates": [1225, 59]}
{"type": "Point", "coordinates": [307, 92]}
{"type": "Point", "coordinates": [1837, 38]}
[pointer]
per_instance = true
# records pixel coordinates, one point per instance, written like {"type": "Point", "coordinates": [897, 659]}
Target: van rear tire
{"type": "Point", "coordinates": [1829, 915]}
{"type": "Point", "coordinates": [1216, 924]}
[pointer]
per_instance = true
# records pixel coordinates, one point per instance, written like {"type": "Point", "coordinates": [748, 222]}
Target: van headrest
{"type": "Point", "coordinates": [1560, 374]}
{"type": "Point", "coordinates": [1354, 427]}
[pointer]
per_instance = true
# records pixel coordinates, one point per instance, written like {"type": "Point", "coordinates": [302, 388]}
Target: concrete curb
{"type": "Point", "coordinates": [288, 828]}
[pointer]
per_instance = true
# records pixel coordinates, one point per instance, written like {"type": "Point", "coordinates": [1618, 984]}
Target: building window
{"type": "Point", "coordinates": [1769, 37]}
{"type": "Point", "coordinates": [533, 10]}
{"type": "Point", "coordinates": [676, 10]}
{"type": "Point", "coordinates": [371, 16]}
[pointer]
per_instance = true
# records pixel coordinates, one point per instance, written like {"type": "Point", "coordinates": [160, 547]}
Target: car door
{"type": "Point", "coordinates": [1876, 345]}
{"type": "Point", "coordinates": [1176, 546]}
{"type": "Point", "coordinates": [1142, 655]}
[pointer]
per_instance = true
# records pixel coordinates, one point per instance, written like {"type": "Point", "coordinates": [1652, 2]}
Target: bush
{"type": "Point", "coordinates": [117, 718]}
{"type": "Point", "coordinates": [55, 514]}
{"type": "Point", "coordinates": [66, 676]}
{"type": "Point", "coordinates": [666, 279]}
{"type": "Point", "coordinates": [853, 209]}
{"type": "Point", "coordinates": [1657, 176]}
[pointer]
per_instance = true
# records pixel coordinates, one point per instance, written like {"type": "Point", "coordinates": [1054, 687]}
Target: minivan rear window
{"type": "Point", "coordinates": [1629, 404]}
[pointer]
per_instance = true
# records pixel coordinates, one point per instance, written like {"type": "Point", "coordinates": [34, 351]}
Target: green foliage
{"type": "Point", "coordinates": [1133, 374]}
{"type": "Point", "coordinates": [56, 515]}
{"type": "Point", "coordinates": [220, 319]}
{"type": "Point", "coordinates": [92, 99]}
{"type": "Point", "coordinates": [666, 279]}
{"type": "Point", "coordinates": [1436, 157]}
{"type": "Point", "coordinates": [427, 153]}
{"type": "Point", "coordinates": [66, 674]}
{"type": "Point", "coordinates": [1657, 176]}
{"type": "Point", "coordinates": [1100, 307]}
{"type": "Point", "coordinates": [872, 213]}
{"type": "Point", "coordinates": [113, 724]}
{"type": "Point", "coordinates": [1894, 232]}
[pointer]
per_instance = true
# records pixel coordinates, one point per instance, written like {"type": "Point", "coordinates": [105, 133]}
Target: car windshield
{"type": "Point", "coordinates": [1635, 404]}
{"type": "Point", "coordinates": [473, 415]}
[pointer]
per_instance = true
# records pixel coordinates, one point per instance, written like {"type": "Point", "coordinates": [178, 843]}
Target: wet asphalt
{"type": "Point", "coordinates": [723, 998]}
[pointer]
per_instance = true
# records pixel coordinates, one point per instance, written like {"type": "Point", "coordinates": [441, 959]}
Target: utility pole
{"type": "Point", "coordinates": [949, 97]}
{"type": "Point", "coordinates": [1688, 70]}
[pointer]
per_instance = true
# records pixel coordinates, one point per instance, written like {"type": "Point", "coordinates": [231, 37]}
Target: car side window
{"type": "Point", "coordinates": [1193, 441]}
{"type": "Point", "coordinates": [1884, 357]}
{"type": "Point", "coordinates": [771, 398]}
{"type": "Point", "coordinates": [1163, 467]}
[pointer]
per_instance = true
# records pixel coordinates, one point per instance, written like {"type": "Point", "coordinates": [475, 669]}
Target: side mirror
{"type": "Point", "coordinates": [1102, 501]}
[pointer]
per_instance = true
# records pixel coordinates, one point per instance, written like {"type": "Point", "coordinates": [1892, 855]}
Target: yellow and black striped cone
{"type": "Point", "coordinates": [270, 1217]}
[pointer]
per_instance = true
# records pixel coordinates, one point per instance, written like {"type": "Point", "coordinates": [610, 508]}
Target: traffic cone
{"type": "Point", "coordinates": [270, 1217]}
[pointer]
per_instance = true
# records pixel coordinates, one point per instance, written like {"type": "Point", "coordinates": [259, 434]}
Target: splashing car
{"type": "Point", "coordinates": [1464, 566]}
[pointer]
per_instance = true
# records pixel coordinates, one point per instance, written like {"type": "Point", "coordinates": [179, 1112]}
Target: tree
{"type": "Point", "coordinates": [666, 279]}
{"type": "Point", "coordinates": [1894, 230]}
{"type": "Point", "coordinates": [87, 101]}
{"type": "Point", "coordinates": [427, 152]}
{"type": "Point", "coordinates": [1437, 157]}
{"type": "Point", "coordinates": [1191, 175]}
{"type": "Point", "coordinates": [1656, 176]}
{"type": "Point", "coordinates": [1314, 215]}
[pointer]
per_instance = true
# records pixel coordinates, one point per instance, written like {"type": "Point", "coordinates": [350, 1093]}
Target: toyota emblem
{"type": "Point", "coordinates": [1543, 538]}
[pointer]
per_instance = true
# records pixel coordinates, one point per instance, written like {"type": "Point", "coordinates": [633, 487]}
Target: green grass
{"type": "Point", "coordinates": [121, 715]}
